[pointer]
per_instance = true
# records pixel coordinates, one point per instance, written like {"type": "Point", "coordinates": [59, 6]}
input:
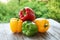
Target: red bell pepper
{"type": "Point", "coordinates": [29, 14]}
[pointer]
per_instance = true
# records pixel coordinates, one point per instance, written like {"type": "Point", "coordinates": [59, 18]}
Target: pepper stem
{"type": "Point", "coordinates": [24, 12]}
{"type": "Point", "coordinates": [45, 25]}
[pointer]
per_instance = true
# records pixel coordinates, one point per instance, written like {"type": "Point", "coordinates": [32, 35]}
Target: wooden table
{"type": "Point", "coordinates": [52, 34]}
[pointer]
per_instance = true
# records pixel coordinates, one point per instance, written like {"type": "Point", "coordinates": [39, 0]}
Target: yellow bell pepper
{"type": "Point", "coordinates": [42, 24]}
{"type": "Point", "coordinates": [16, 25]}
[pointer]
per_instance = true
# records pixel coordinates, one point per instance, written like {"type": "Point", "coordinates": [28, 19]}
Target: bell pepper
{"type": "Point", "coordinates": [16, 25]}
{"type": "Point", "coordinates": [27, 14]}
{"type": "Point", "coordinates": [29, 28]}
{"type": "Point", "coordinates": [42, 24]}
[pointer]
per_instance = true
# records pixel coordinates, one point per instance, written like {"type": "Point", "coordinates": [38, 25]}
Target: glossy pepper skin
{"type": "Point", "coordinates": [29, 14]}
{"type": "Point", "coordinates": [42, 24]}
{"type": "Point", "coordinates": [16, 25]}
{"type": "Point", "coordinates": [29, 28]}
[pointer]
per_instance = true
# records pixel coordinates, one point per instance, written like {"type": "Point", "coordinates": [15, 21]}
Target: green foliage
{"type": "Point", "coordinates": [54, 7]}
{"type": "Point", "coordinates": [50, 9]}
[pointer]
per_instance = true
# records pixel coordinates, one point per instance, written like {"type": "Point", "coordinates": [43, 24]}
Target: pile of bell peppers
{"type": "Point", "coordinates": [27, 23]}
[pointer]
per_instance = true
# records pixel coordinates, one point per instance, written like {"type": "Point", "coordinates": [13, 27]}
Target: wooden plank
{"type": "Point", "coordinates": [47, 35]}
{"type": "Point", "coordinates": [54, 23]}
{"type": "Point", "coordinates": [2, 33]}
{"type": "Point", "coordinates": [53, 33]}
{"type": "Point", "coordinates": [36, 37]}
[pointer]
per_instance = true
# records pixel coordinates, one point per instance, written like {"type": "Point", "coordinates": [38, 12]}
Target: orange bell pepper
{"type": "Point", "coordinates": [42, 24]}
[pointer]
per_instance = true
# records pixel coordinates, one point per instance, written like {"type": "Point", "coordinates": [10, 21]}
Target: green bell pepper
{"type": "Point", "coordinates": [29, 28]}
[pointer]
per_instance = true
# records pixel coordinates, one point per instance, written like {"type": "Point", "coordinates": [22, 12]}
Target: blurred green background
{"type": "Point", "coordinates": [43, 9]}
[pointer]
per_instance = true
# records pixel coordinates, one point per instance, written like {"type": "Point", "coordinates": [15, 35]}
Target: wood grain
{"type": "Point", "coordinates": [52, 34]}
